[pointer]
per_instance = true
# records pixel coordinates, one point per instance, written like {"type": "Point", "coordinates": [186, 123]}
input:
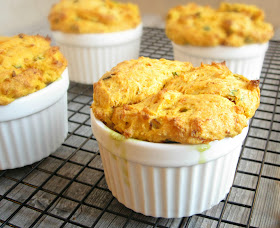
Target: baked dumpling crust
{"type": "Point", "coordinates": [230, 25]}
{"type": "Point", "coordinates": [93, 16]}
{"type": "Point", "coordinates": [28, 64]}
{"type": "Point", "coordinates": [188, 104]}
{"type": "Point", "coordinates": [132, 81]}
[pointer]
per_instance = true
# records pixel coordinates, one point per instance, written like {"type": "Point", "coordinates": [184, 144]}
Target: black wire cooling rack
{"type": "Point", "coordinates": [68, 188]}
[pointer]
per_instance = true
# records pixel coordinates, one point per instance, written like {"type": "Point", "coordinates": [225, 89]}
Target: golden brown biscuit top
{"type": "Point", "coordinates": [230, 25]}
{"type": "Point", "coordinates": [28, 64]}
{"type": "Point", "coordinates": [93, 16]}
{"type": "Point", "coordinates": [132, 81]}
{"type": "Point", "coordinates": [162, 100]}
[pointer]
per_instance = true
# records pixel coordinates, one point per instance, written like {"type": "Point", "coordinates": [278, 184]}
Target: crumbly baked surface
{"type": "Point", "coordinates": [230, 25]}
{"type": "Point", "coordinates": [162, 100]}
{"type": "Point", "coordinates": [93, 16]}
{"type": "Point", "coordinates": [131, 82]}
{"type": "Point", "coordinates": [27, 64]}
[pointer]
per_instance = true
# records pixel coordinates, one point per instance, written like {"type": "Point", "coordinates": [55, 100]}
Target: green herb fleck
{"type": "Point", "coordinates": [39, 58]}
{"type": "Point", "coordinates": [17, 66]}
{"type": "Point", "coordinates": [233, 92]}
{"type": "Point", "coordinates": [237, 76]}
{"type": "Point", "coordinates": [175, 74]}
{"type": "Point", "coordinates": [206, 28]}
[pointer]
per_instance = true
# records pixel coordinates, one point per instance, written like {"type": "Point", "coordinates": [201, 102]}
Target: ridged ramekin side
{"type": "Point", "coordinates": [248, 66]}
{"type": "Point", "coordinates": [28, 139]}
{"type": "Point", "coordinates": [169, 192]}
{"type": "Point", "coordinates": [88, 64]}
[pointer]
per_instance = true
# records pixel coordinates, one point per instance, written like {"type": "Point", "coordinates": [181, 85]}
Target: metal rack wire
{"type": "Point", "coordinates": [68, 189]}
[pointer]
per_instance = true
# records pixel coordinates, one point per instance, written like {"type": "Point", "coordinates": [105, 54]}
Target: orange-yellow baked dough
{"type": "Point", "coordinates": [27, 64]}
{"type": "Point", "coordinates": [230, 25]}
{"type": "Point", "coordinates": [132, 81]}
{"type": "Point", "coordinates": [175, 102]}
{"type": "Point", "coordinates": [93, 16]}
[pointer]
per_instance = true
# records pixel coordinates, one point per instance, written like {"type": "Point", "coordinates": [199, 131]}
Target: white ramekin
{"type": "Point", "coordinates": [246, 60]}
{"type": "Point", "coordinates": [167, 180]}
{"type": "Point", "coordinates": [91, 55]}
{"type": "Point", "coordinates": [34, 126]}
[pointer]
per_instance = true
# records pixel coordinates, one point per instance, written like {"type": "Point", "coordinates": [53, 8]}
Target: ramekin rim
{"type": "Point", "coordinates": [98, 39]}
{"type": "Point", "coordinates": [79, 34]}
{"type": "Point", "coordinates": [189, 154]}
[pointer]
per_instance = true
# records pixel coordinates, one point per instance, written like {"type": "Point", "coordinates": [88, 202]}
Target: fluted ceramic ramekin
{"type": "Point", "coordinates": [167, 180]}
{"type": "Point", "coordinates": [91, 55]}
{"type": "Point", "coordinates": [246, 60]}
{"type": "Point", "coordinates": [34, 126]}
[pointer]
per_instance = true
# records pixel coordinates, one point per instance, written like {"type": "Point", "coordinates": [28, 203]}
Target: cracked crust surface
{"type": "Point", "coordinates": [98, 16]}
{"type": "Point", "coordinates": [230, 25]}
{"type": "Point", "coordinates": [131, 82]}
{"type": "Point", "coordinates": [188, 104]}
{"type": "Point", "coordinates": [28, 64]}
